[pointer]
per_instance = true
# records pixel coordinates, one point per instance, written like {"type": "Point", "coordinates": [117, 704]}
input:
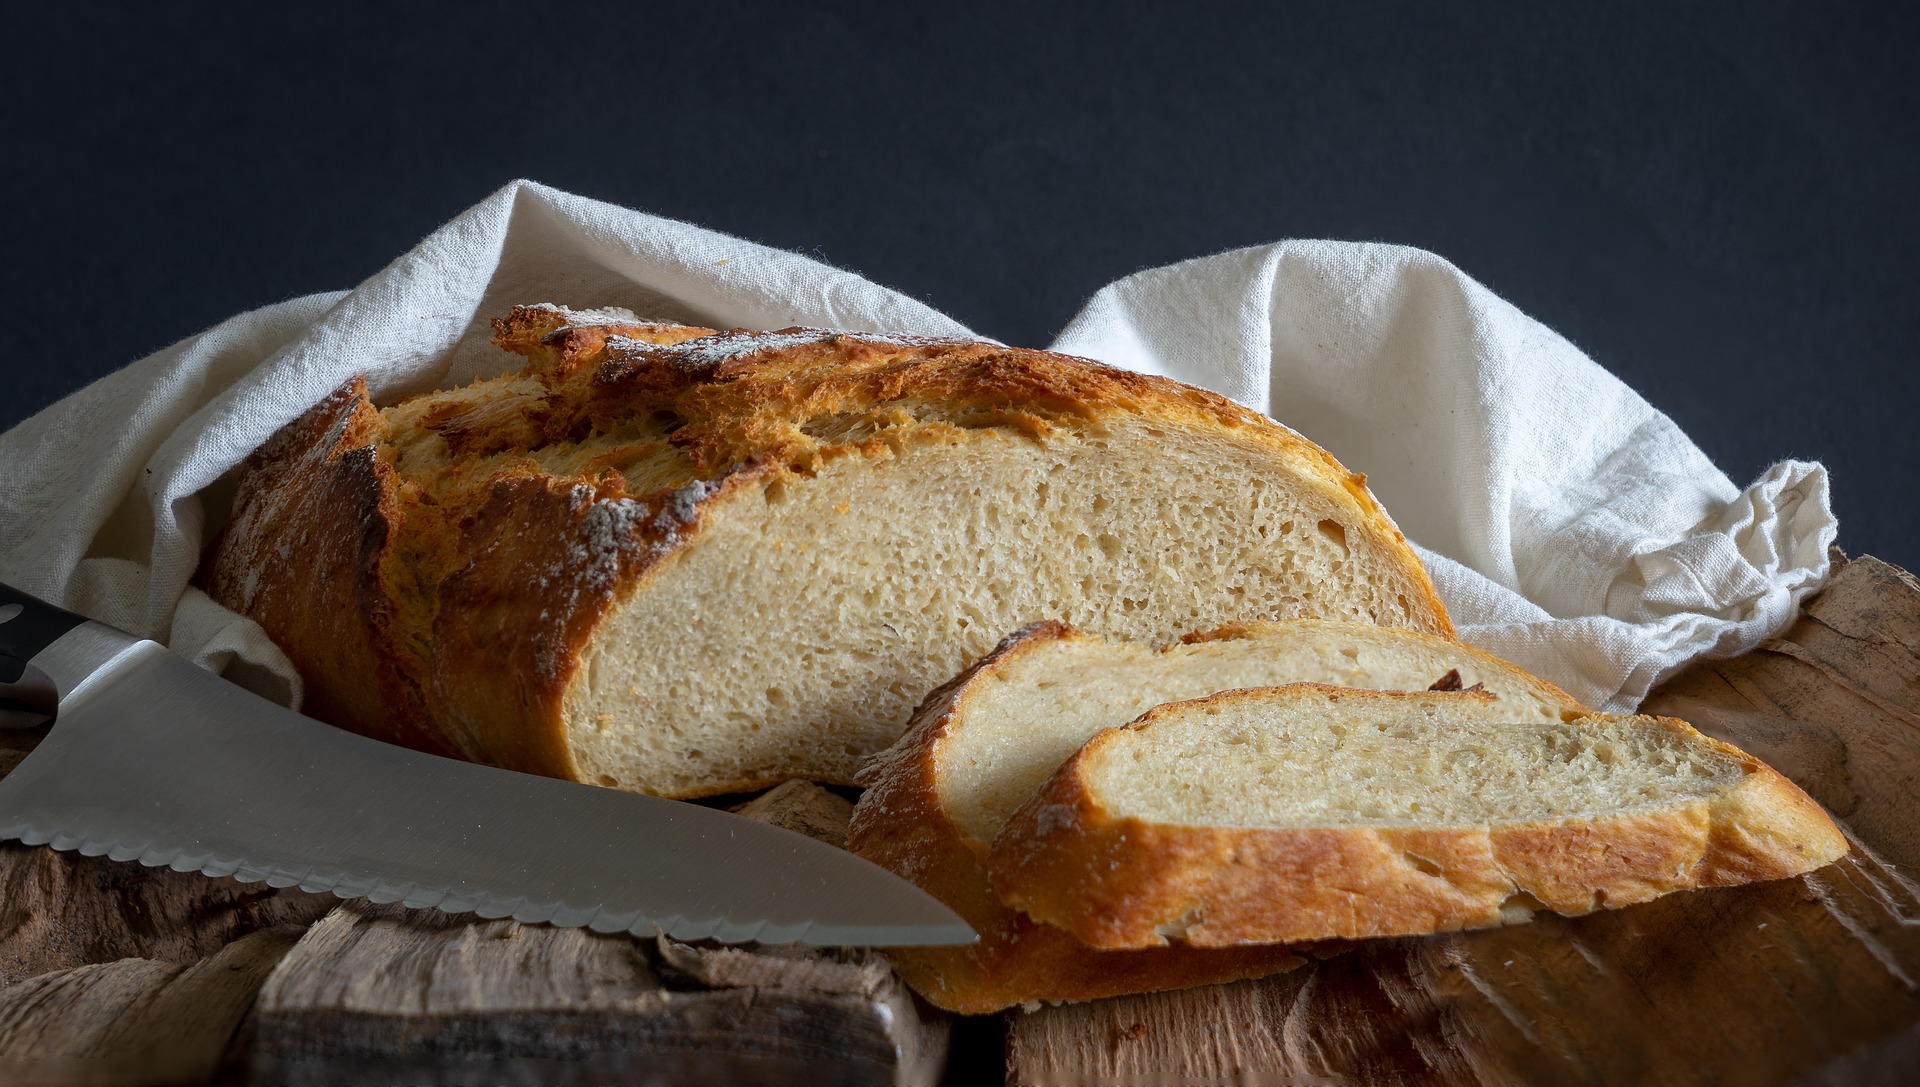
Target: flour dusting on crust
{"type": "Point", "coordinates": [609, 531]}
{"type": "Point", "coordinates": [710, 351]}
{"type": "Point", "coordinates": [615, 529]}
{"type": "Point", "coordinates": [600, 317]}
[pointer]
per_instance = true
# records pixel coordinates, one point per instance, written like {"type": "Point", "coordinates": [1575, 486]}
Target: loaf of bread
{"type": "Point", "coordinates": [683, 562]}
{"type": "Point", "coordinates": [983, 744]}
{"type": "Point", "coordinates": [1307, 812]}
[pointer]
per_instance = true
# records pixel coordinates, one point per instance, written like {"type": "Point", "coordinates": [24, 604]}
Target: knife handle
{"type": "Point", "coordinates": [28, 625]}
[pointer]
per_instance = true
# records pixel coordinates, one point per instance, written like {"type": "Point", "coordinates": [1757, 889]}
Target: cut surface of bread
{"type": "Point", "coordinates": [684, 562]}
{"type": "Point", "coordinates": [1036, 711]}
{"type": "Point", "coordinates": [984, 743]}
{"type": "Point", "coordinates": [1309, 812]}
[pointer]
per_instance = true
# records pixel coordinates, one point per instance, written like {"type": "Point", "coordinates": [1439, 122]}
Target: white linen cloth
{"type": "Point", "coordinates": [1569, 526]}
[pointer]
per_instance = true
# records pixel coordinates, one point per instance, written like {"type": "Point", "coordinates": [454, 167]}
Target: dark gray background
{"type": "Point", "coordinates": [1719, 205]}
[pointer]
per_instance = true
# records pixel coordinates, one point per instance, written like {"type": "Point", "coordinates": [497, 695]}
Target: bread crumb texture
{"type": "Point", "coordinates": [987, 741]}
{"type": "Point", "coordinates": [1037, 708]}
{"type": "Point", "coordinates": [685, 562]}
{"type": "Point", "coordinates": [1307, 812]}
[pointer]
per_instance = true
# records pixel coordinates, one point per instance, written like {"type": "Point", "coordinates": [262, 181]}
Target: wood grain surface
{"type": "Point", "coordinates": [1815, 979]}
{"type": "Point", "coordinates": [382, 994]}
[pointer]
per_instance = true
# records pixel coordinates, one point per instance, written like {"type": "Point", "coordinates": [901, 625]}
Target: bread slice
{"type": "Point", "coordinates": [985, 742]}
{"type": "Point", "coordinates": [1305, 812]}
{"type": "Point", "coordinates": [683, 562]}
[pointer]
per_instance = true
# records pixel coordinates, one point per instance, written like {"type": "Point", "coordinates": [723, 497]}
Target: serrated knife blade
{"type": "Point", "coordinates": [156, 760]}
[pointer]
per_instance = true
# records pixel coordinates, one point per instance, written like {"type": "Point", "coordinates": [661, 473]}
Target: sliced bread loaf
{"type": "Point", "coordinates": [1307, 812]}
{"type": "Point", "coordinates": [984, 743]}
{"type": "Point", "coordinates": [683, 562]}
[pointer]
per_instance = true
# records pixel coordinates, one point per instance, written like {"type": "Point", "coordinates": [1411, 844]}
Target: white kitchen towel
{"type": "Point", "coordinates": [1570, 526]}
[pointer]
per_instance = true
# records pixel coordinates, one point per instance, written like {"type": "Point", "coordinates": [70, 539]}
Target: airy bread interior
{"type": "Point", "coordinates": [1312, 757]}
{"type": "Point", "coordinates": [1028, 716]}
{"type": "Point", "coordinates": [794, 636]}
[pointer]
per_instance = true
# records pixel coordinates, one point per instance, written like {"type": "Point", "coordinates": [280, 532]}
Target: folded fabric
{"type": "Point", "coordinates": [1569, 525]}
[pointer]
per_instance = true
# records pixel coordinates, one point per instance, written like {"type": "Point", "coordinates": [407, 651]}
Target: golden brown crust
{"type": "Point", "coordinates": [557, 341]}
{"type": "Point", "coordinates": [1768, 828]}
{"type": "Point", "coordinates": [901, 824]}
{"type": "Point", "coordinates": [1121, 882]}
{"type": "Point", "coordinates": [502, 521]}
{"type": "Point", "coordinates": [310, 555]}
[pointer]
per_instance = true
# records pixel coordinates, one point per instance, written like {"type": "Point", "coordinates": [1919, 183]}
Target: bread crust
{"type": "Point", "coordinates": [1122, 882]}
{"type": "Point", "coordinates": [476, 573]}
{"type": "Point", "coordinates": [310, 555]}
{"type": "Point", "coordinates": [901, 824]}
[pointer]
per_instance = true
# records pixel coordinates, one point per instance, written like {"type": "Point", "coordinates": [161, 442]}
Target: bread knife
{"type": "Point", "coordinates": [153, 759]}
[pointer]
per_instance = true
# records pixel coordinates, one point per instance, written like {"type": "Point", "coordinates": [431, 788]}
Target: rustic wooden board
{"type": "Point", "coordinates": [377, 994]}
{"type": "Point", "coordinates": [136, 1020]}
{"type": "Point", "coordinates": [1809, 980]}
{"type": "Point", "coordinates": [60, 910]}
